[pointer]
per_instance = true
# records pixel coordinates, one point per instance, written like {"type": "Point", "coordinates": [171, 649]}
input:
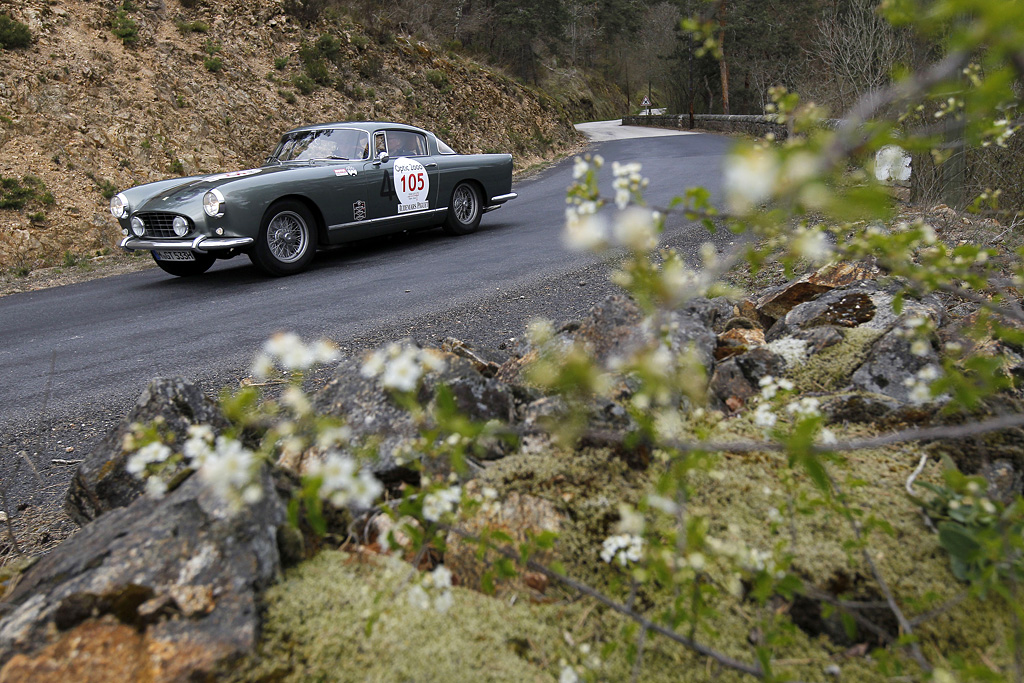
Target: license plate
{"type": "Point", "coordinates": [175, 255]}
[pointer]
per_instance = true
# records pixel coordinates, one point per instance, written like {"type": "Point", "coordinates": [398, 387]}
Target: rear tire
{"type": "Point", "coordinates": [287, 239]}
{"type": "Point", "coordinates": [187, 268]}
{"type": "Point", "coordinates": [464, 210]}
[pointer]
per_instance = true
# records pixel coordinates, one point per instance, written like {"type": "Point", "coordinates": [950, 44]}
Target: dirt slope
{"type": "Point", "coordinates": [209, 86]}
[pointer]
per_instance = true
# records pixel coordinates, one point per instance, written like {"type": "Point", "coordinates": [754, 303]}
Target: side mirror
{"type": "Point", "coordinates": [382, 158]}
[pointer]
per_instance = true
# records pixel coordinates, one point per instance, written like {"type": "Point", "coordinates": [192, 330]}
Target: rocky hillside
{"type": "Point", "coordinates": [110, 95]}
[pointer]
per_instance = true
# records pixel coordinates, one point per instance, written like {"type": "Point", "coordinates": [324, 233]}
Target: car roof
{"type": "Point", "coordinates": [368, 126]}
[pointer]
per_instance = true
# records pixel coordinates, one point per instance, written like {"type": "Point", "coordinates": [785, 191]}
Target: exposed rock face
{"type": "Point", "coordinates": [102, 483]}
{"type": "Point", "coordinates": [164, 589]}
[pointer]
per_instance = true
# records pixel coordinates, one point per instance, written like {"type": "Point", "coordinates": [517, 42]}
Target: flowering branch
{"type": "Point", "coordinates": [645, 623]}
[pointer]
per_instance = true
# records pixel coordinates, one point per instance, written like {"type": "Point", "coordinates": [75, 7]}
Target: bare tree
{"type": "Point", "coordinates": [858, 49]}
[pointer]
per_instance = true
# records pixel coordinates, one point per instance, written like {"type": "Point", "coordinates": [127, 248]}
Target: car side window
{"type": "Point", "coordinates": [402, 143]}
{"type": "Point", "coordinates": [443, 148]}
{"type": "Point", "coordinates": [379, 144]}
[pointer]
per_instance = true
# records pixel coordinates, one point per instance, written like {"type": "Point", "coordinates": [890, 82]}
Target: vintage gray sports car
{"type": "Point", "coordinates": [323, 185]}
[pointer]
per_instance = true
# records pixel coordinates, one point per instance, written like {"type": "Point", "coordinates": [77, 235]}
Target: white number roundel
{"type": "Point", "coordinates": [412, 184]}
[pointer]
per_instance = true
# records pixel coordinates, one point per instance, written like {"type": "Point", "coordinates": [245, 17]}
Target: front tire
{"type": "Point", "coordinates": [287, 239]}
{"type": "Point", "coordinates": [187, 268]}
{"type": "Point", "coordinates": [464, 210]}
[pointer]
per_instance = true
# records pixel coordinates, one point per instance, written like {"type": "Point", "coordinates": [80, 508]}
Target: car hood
{"type": "Point", "coordinates": [194, 187]}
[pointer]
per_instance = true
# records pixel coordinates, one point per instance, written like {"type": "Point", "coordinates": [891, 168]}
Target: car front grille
{"type": "Point", "coordinates": [159, 224]}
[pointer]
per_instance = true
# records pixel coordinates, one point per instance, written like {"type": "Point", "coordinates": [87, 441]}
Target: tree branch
{"type": "Point", "coordinates": [644, 622]}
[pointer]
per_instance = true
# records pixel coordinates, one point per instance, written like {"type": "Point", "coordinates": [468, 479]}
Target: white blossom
{"type": "Point", "coordinates": [229, 468]}
{"type": "Point", "coordinates": [920, 347]}
{"type": "Point", "coordinates": [156, 487]}
{"type": "Point", "coordinates": [568, 675]}
{"type": "Point", "coordinates": [764, 417]}
{"type": "Point", "coordinates": [296, 399]}
{"type": "Point", "coordinates": [892, 163]}
{"type": "Point", "coordinates": [585, 231]}
{"type": "Point", "coordinates": [286, 349]}
{"type": "Point", "coordinates": [579, 168]}
{"type": "Point", "coordinates": [636, 229]}
{"type": "Point", "coordinates": [151, 453]}
{"type": "Point", "coordinates": [401, 366]}
{"type": "Point", "coordinates": [334, 436]}
{"type": "Point", "coordinates": [401, 373]}
{"type": "Point", "coordinates": [750, 178]}
{"type": "Point", "coordinates": [812, 244]}
{"type": "Point", "coordinates": [262, 366]}
{"type": "Point", "coordinates": [343, 482]}
{"type": "Point", "coordinates": [805, 407]}
{"type": "Point", "coordinates": [626, 547]}
{"type": "Point", "coordinates": [436, 504]}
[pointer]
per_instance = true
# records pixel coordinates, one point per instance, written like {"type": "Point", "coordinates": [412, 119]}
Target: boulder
{"type": "Point", "coordinates": [737, 340]}
{"type": "Point", "coordinates": [714, 314]}
{"type": "Point", "coordinates": [737, 379]}
{"type": "Point", "coordinates": [373, 414]}
{"type": "Point", "coordinates": [778, 301]}
{"type": "Point", "coordinates": [161, 590]}
{"type": "Point", "coordinates": [889, 366]}
{"type": "Point", "coordinates": [102, 483]}
{"type": "Point", "coordinates": [864, 304]}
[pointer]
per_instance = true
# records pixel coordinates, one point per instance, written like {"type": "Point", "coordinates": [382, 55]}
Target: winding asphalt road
{"type": "Point", "coordinates": [77, 356]}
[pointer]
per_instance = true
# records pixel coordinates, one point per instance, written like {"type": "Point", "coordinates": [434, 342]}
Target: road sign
{"type": "Point", "coordinates": [646, 102]}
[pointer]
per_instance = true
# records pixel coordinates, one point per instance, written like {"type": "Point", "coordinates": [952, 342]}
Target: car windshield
{"type": "Point", "coordinates": [331, 143]}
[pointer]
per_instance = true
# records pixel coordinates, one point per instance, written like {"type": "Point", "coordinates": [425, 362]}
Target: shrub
{"type": "Point", "coordinates": [439, 80]}
{"type": "Point", "coordinates": [13, 33]}
{"type": "Point", "coordinates": [213, 64]}
{"type": "Point", "coordinates": [288, 96]}
{"type": "Point", "coordinates": [370, 67]}
{"type": "Point", "coordinates": [186, 27]}
{"type": "Point", "coordinates": [125, 28]}
{"type": "Point", "coordinates": [15, 194]}
{"type": "Point", "coordinates": [304, 84]}
{"type": "Point", "coordinates": [280, 62]}
{"type": "Point", "coordinates": [307, 11]}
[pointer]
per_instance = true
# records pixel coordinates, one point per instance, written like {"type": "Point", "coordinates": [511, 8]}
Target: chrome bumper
{"type": "Point", "coordinates": [201, 244]}
{"type": "Point", "coordinates": [496, 202]}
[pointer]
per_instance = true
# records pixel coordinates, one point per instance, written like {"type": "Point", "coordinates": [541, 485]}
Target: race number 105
{"type": "Point", "coordinates": [413, 182]}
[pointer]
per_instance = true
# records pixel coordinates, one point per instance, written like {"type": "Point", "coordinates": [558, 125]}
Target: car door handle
{"type": "Point", "coordinates": [432, 164]}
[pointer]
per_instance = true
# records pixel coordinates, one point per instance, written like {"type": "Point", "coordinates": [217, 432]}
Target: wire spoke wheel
{"type": "Point", "coordinates": [287, 239]}
{"type": "Point", "coordinates": [464, 203]}
{"type": "Point", "coordinates": [464, 211]}
{"type": "Point", "coordinates": [287, 236]}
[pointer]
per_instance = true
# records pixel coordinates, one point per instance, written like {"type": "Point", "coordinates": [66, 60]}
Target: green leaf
{"type": "Point", "coordinates": [958, 541]}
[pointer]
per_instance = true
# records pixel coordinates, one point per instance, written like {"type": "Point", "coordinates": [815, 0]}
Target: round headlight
{"type": "Point", "coordinates": [119, 206]}
{"type": "Point", "coordinates": [138, 227]}
{"type": "Point", "coordinates": [180, 226]}
{"type": "Point", "coordinates": [213, 203]}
